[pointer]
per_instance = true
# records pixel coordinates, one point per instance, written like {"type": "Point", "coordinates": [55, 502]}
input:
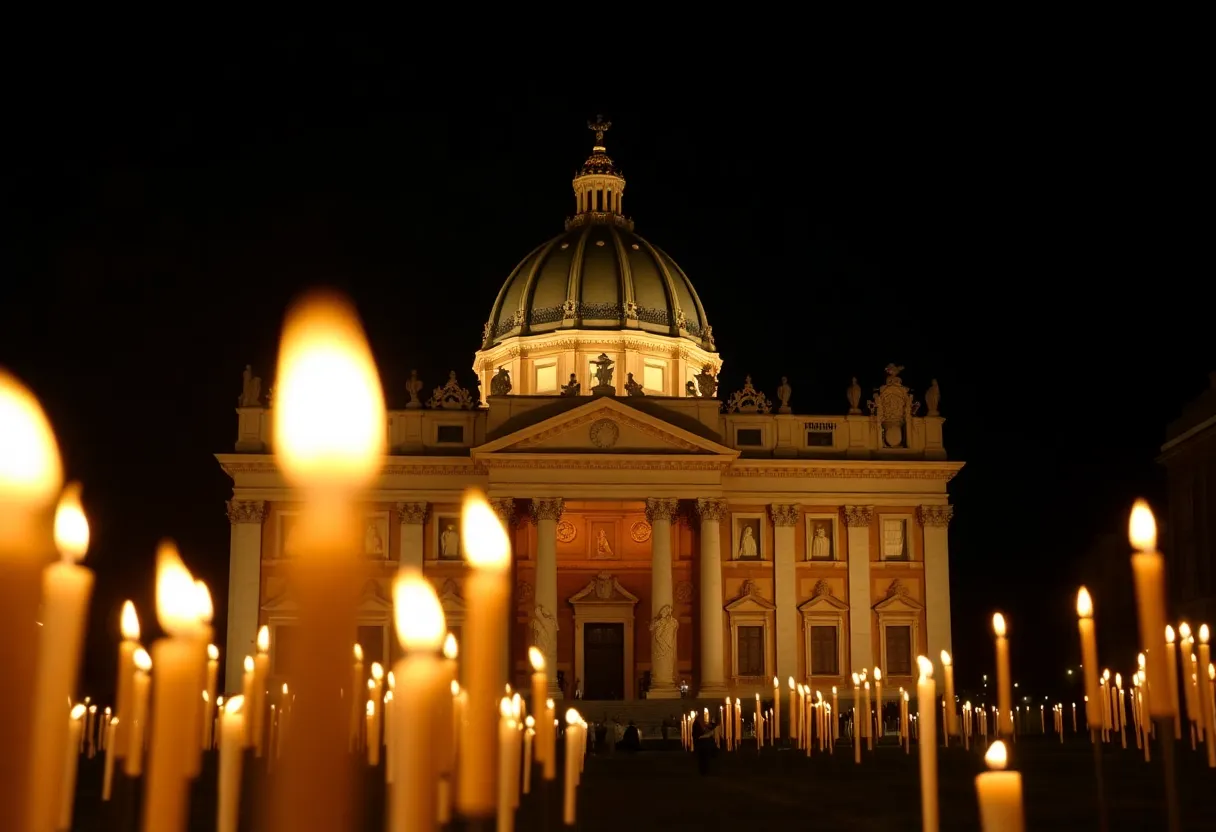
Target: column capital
{"type": "Point", "coordinates": [504, 507]}
{"type": "Point", "coordinates": [858, 516]}
{"type": "Point", "coordinates": [711, 509]}
{"type": "Point", "coordinates": [661, 508]}
{"type": "Point", "coordinates": [935, 515]}
{"type": "Point", "coordinates": [246, 511]}
{"type": "Point", "coordinates": [411, 512]}
{"type": "Point", "coordinates": [547, 508]}
{"type": "Point", "coordinates": [784, 514]}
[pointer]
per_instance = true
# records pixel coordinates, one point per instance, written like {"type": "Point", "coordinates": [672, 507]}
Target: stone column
{"type": "Point", "coordinates": [546, 512]}
{"type": "Point", "coordinates": [244, 587]}
{"type": "Point", "coordinates": [861, 650]}
{"type": "Point", "coordinates": [936, 520]}
{"type": "Point", "coordinates": [411, 516]}
{"type": "Point", "coordinates": [504, 507]}
{"type": "Point", "coordinates": [663, 623]}
{"type": "Point", "coordinates": [785, 589]}
{"type": "Point", "coordinates": [713, 677]}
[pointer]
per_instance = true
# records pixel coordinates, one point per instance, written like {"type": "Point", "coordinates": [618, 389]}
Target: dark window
{"type": "Point", "coordinates": [749, 436]}
{"type": "Point", "coordinates": [899, 651]}
{"type": "Point", "coordinates": [823, 652]}
{"type": "Point", "coordinates": [819, 438]}
{"type": "Point", "coordinates": [751, 651]}
{"type": "Point", "coordinates": [451, 433]}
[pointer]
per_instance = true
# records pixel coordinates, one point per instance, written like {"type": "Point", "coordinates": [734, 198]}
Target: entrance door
{"type": "Point", "coordinates": [604, 661]}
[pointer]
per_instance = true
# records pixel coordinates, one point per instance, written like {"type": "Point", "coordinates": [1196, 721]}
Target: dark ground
{"type": "Point", "coordinates": [661, 789]}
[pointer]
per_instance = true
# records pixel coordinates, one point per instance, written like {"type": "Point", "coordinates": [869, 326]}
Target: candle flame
{"type": "Point", "coordinates": [213, 653]}
{"type": "Point", "coordinates": [77, 711]}
{"type": "Point", "coordinates": [263, 642]}
{"type": "Point", "coordinates": [1106, 674]}
{"type": "Point", "coordinates": [206, 698]}
{"type": "Point", "coordinates": [248, 664]}
{"type": "Point", "coordinates": [1184, 631]}
{"type": "Point", "coordinates": [392, 680]}
{"type": "Point", "coordinates": [1085, 604]}
{"type": "Point", "coordinates": [925, 666]}
{"type": "Point", "coordinates": [92, 709]}
{"type": "Point", "coordinates": [1212, 671]}
{"type": "Point", "coordinates": [878, 674]}
{"type": "Point", "coordinates": [358, 652]}
{"type": "Point", "coordinates": [234, 705]}
{"type": "Point", "coordinates": [945, 659]}
{"type": "Point", "coordinates": [998, 625]}
{"type": "Point", "coordinates": [142, 660]}
{"type": "Point", "coordinates": [486, 543]}
{"type": "Point", "coordinates": [529, 722]}
{"type": "Point", "coordinates": [791, 683]}
{"type": "Point", "coordinates": [451, 649]}
{"type": "Point", "coordinates": [284, 688]}
{"type": "Point", "coordinates": [1169, 634]}
{"type": "Point", "coordinates": [833, 690]}
{"type": "Point", "coordinates": [31, 471]}
{"type": "Point", "coordinates": [1142, 528]}
{"type": "Point", "coordinates": [505, 709]}
{"type": "Point", "coordinates": [856, 680]}
{"type": "Point", "coordinates": [128, 622]}
{"type": "Point", "coordinates": [455, 688]}
{"type": "Point", "coordinates": [1119, 680]}
{"type": "Point", "coordinates": [776, 683]}
{"type": "Point", "coordinates": [202, 596]}
{"type": "Point", "coordinates": [71, 526]}
{"type": "Point", "coordinates": [573, 717]}
{"type": "Point", "coordinates": [418, 614]}
{"type": "Point", "coordinates": [371, 707]}
{"type": "Point", "coordinates": [1204, 634]}
{"type": "Point", "coordinates": [176, 599]}
{"type": "Point", "coordinates": [377, 672]}
{"type": "Point", "coordinates": [905, 696]}
{"type": "Point", "coordinates": [536, 659]}
{"type": "Point", "coordinates": [1140, 661]}
{"type": "Point", "coordinates": [329, 416]}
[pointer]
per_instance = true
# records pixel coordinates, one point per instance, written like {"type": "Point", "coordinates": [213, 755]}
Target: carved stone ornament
{"type": "Point", "coordinates": [748, 400]}
{"type": "Point", "coordinates": [822, 589]}
{"type": "Point", "coordinates": [859, 516]}
{"type": "Point", "coordinates": [935, 515]}
{"type": "Point", "coordinates": [707, 383]}
{"type": "Point", "coordinates": [413, 513]}
{"type": "Point", "coordinates": [639, 532]}
{"type": "Point", "coordinates": [690, 389]}
{"type": "Point", "coordinates": [893, 408]}
{"type": "Point", "coordinates": [547, 508]}
{"type": "Point", "coordinates": [413, 386]}
{"type": "Point", "coordinates": [604, 586]}
{"type": "Point", "coordinates": [504, 507]}
{"type": "Point", "coordinates": [524, 593]}
{"type": "Point", "coordinates": [747, 589]}
{"type": "Point", "coordinates": [896, 588]}
{"type": "Point", "coordinates": [784, 515]}
{"type": "Point", "coordinates": [661, 508]}
{"type": "Point", "coordinates": [711, 509]}
{"type": "Point", "coordinates": [450, 589]}
{"type": "Point", "coordinates": [452, 396]}
{"type": "Point", "coordinates": [500, 384]}
{"type": "Point", "coordinates": [604, 433]}
{"type": "Point", "coordinates": [544, 630]}
{"type": "Point", "coordinates": [684, 592]}
{"type": "Point", "coordinates": [632, 388]}
{"type": "Point", "coordinates": [566, 531]}
{"type": "Point", "coordinates": [246, 511]}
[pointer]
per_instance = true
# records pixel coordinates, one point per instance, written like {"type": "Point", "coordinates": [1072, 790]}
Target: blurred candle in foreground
{"type": "Point", "coordinates": [31, 476]}
{"type": "Point", "coordinates": [446, 735]}
{"type": "Point", "coordinates": [261, 675]}
{"type": "Point", "coordinates": [330, 441]}
{"type": "Point", "coordinates": [202, 635]}
{"type": "Point", "coordinates": [488, 550]}
{"type": "Point", "coordinates": [926, 715]}
{"type": "Point", "coordinates": [508, 787]}
{"type": "Point", "coordinates": [133, 763]}
{"type": "Point", "coordinates": [128, 624]}
{"type": "Point", "coordinates": [232, 741]}
{"type": "Point", "coordinates": [107, 780]}
{"type": "Point", "coordinates": [951, 728]}
{"type": "Point", "coordinates": [1089, 659]}
{"type": "Point", "coordinates": [69, 761]}
{"type": "Point", "coordinates": [213, 666]}
{"type": "Point", "coordinates": [1004, 685]}
{"type": "Point", "coordinates": [1000, 793]}
{"type": "Point", "coordinates": [1171, 661]}
{"type": "Point", "coordinates": [1148, 569]}
{"type": "Point", "coordinates": [540, 681]}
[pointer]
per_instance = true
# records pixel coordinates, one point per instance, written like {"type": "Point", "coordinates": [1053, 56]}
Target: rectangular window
{"type": "Point", "coordinates": [751, 651]}
{"type": "Point", "coordinates": [894, 539]}
{"type": "Point", "coordinates": [453, 434]}
{"type": "Point", "coordinates": [819, 438]}
{"type": "Point", "coordinates": [546, 379]}
{"type": "Point", "coordinates": [652, 377]}
{"type": "Point", "coordinates": [899, 651]}
{"type": "Point", "coordinates": [823, 651]}
{"type": "Point", "coordinates": [749, 437]}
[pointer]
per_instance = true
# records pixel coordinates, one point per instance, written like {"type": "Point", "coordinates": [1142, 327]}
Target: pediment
{"type": "Point", "coordinates": [898, 600]}
{"type": "Point", "coordinates": [284, 602]}
{"type": "Point", "coordinates": [603, 590]}
{"type": "Point", "coordinates": [604, 425]}
{"type": "Point", "coordinates": [823, 603]}
{"type": "Point", "coordinates": [751, 601]}
{"type": "Point", "coordinates": [450, 599]}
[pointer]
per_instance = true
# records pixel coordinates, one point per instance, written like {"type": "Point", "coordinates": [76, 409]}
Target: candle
{"type": "Point", "coordinates": [173, 695]}
{"type": "Point", "coordinates": [133, 764]}
{"type": "Point", "coordinates": [423, 681]}
{"type": "Point", "coordinates": [373, 748]}
{"type": "Point", "coordinates": [30, 478]}
{"type": "Point", "coordinates": [448, 730]}
{"type": "Point", "coordinates": [793, 712]}
{"type": "Point", "coordinates": [926, 715]}
{"type": "Point", "coordinates": [247, 693]}
{"type": "Point", "coordinates": [835, 720]}
{"type": "Point", "coordinates": [356, 698]}
{"type": "Point", "coordinates": [1148, 569]}
{"type": "Point", "coordinates": [488, 549]}
{"type": "Point", "coordinates": [540, 681]}
{"type": "Point", "coordinates": [129, 626]}
{"type": "Point", "coordinates": [878, 701]}
{"type": "Point", "coordinates": [1004, 685]}
{"type": "Point", "coordinates": [952, 728]}
{"type": "Point", "coordinates": [232, 741]}
{"type": "Point", "coordinates": [213, 666]}
{"type": "Point", "coordinates": [66, 588]}
{"type": "Point", "coordinates": [375, 688]}
{"type": "Point", "coordinates": [776, 710]}
{"type": "Point", "coordinates": [550, 716]}
{"type": "Point", "coordinates": [1171, 661]}
{"type": "Point", "coordinates": [573, 763]}
{"type": "Point", "coordinates": [1089, 658]}
{"type": "Point", "coordinates": [1205, 693]}
{"type": "Point", "coordinates": [868, 721]}
{"type": "Point", "coordinates": [201, 635]}
{"type": "Point", "coordinates": [506, 746]}
{"type": "Point", "coordinates": [1000, 793]}
{"type": "Point", "coordinates": [529, 735]}
{"type": "Point", "coordinates": [261, 673]}
{"type": "Point", "coordinates": [69, 760]}
{"type": "Point", "coordinates": [107, 781]}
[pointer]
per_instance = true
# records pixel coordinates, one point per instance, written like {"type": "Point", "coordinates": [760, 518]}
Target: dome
{"type": "Point", "coordinates": [599, 274]}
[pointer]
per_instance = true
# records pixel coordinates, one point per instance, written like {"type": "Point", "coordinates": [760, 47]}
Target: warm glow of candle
{"type": "Point", "coordinates": [1142, 528]}
{"type": "Point", "coordinates": [176, 597]}
{"type": "Point", "coordinates": [71, 526]}
{"type": "Point", "coordinates": [926, 706]}
{"type": "Point", "coordinates": [485, 540]}
{"type": "Point", "coordinates": [997, 756]}
{"type": "Point", "coordinates": [31, 472]}
{"type": "Point", "coordinates": [232, 735]}
{"type": "Point", "coordinates": [1085, 604]}
{"type": "Point", "coordinates": [998, 625]}
{"type": "Point", "coordinates": [418, 616]}
{"type": "Point", "coordinates": [450, 648]}
{"type": "Point", "coordinates": [263, 640]}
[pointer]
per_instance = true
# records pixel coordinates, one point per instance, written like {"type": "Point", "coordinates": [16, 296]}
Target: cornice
{"type": "Point", "coordinates": [847, 469]}
{"type": "Point", "coordinates": [606, 462]}
{"type": "Point", "coordinates": [395, 466]}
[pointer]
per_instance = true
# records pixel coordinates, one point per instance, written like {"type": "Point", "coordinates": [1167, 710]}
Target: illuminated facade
{"type": "Point", "coordinates": [663, 534]}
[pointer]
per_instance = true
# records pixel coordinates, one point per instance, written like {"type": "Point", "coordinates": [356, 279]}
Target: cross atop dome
{"type": "Point", "coordinates": [600, 126]}
{"type": "Point", "coordinates": [598, 186]}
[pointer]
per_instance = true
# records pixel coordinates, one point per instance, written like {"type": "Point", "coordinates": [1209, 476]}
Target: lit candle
{"type": "Point", "coordinates": [776, 710]}
{"type": "Point", "coordinates": [952, 728]}
{"type": "Point", "coordinates": [1148, 569]}
{"type": "Point", "coordinates": [1171, 661]}
{"type": "Point", "coordinates": [835, 720]}
{"type": "Point", "coordinates": [232, 741]}
{"type": "Point", "coordinates": [1205, 693]}
{"type": "Point", "coordinates": [202, 636]}
{"type": "Point", "coordinates": [488, 549]}
{"type": "Point", "coordinates": [1004, 685]}
{"type": "Point", "coordinates": [507, 730]}
{"type": "Point", "coordinates": [857, 718]}
{"type": "Point", "coordinates": [550, 767]}
{"type": "Point", "coordinates": [529, 735]}
{"type": "Point", "coordinates": [540, 681]}
{"type": "Point", "coordinates": [69, 760]}
{"type": "Point", "coordinates": [128, 624]}
{"type": "Point", "coordinates": [373, 748]}
{"type": "Point", "coordinates": [867, 725]}
{"type": "Point", "coordinates": [448, 732]}
{"type": "Point", "coordinates": [174, 694]}
{"type": "Point", "coordinates": [878, 701]}
{"type": "Point", "coordinates": [422, 680]}
{"type": "Point", "coordinates": [213, 666]}
{"type": "Point", "coordinates": [375, 690]}
{"type": "Point", "coordinates": [133, 763]}
{"type": "Point", "coordinates": [794, 712]}
{"type": "Point", "coordinates": [1089, 659]}
{"type": "Point", "coordinates": [247, 693]}
{"type": "Point", "coordinates": [1000, 793]}
{"type": "Point", "coordinates": [30, 478]}
{"type": "Point", "coordinates": [107, 782]}
{"type": "Point", "coordinates": [926, 715]}
{"type": "Point", "coordinates": [573, 761]}
{"type": "Point", "coordinates": [261, 674]}
{"type": "Point", "coordinates": [356, 696]}
{"type": "Point", "coordinates": [66, 588]}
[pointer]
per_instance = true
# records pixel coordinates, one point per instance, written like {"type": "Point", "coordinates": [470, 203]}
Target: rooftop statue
{"type": "Point", "coordinates": [251, 389]}
{"type": "Point", "coordinates": [783, 395]}
{"type": "Point", "coordinates": [603, 375]}
{"type": "Point", "coordinates": [573, 388]}
{"type": "Point", "coordinates": [414, 386]}
{"type": "Point", "coordinates": [632, 387]}
{"type": "Point", "coordinates": [500, 385]}
{"type": "Point", "coordinates": [452, 396]}
{"type": "Point", "coordinates": [748, 400]}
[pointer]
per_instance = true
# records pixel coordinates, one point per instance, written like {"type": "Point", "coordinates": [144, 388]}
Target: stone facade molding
{"type": "Point", "coordinates": [858, 516]}
{"type": "Point", "coordinates": [504, 507]}
{"type": "Point", "coordinates": [784, 514]}
{"type": "Point", "coordinates": [712, 510]}
{"type": "Point", "coordinates": [661, 508]}
{"type": "Point", "coordinates": [935, 515]}
{"type": "Point", "coordinates": [918, 471]}
{"type": "Point", "coordinates": [414, 513]}
{"type": "Point", "coordinates": [547, 508]}
{"type": "Point", "coordinates": [246, 511]}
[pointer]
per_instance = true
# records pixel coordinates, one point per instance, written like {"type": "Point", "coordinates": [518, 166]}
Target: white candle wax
{"type": "Point", "coordinates": [926, 715]}
{"type": "Point", "coordinates": [107, 780]}
{"type": "Point", "coordinates": [573, 762]}
{"type": "Point", "coordinates": [1000, 794]}
{"type": "Point", "coordinates": [232, 741]}
{"type": "Point", "coordinates": [133, 764]}
{"type": "Point", "coordinates": [69, 762]}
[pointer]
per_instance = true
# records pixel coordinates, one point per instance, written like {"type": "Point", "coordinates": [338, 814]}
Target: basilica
{"type": "Point", "coordinates": [668, 536]}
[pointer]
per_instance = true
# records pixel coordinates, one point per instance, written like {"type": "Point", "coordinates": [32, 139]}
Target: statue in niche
{"type": "Point", "coordinates": [854, 396]}
{"type": "Point", "coordinates": [544, 631]}
{"type": "Point", "coordinates": [251, 389]}
{"type": "Point", "coordinates": [603, 372]}
{"type": "Point", "coordinates": [603, 549]}
{"type": "Point", "coordinates": [413, 386]}
{"type": "Point", "coordinates": [747, 543]}
{"type": "Point", "coordinates": [663, 628]}
{"type": "Point", "coordinates": [690, 389]}
{"type": "Point", "coordinates": [449, 543]}
{"type": "Point", "coordinates": [933, 398]}
{"type": "Point", "coordinates": [373, 544]}
{"type": "Point", "coordinates": [573, 388]}
{"type": "Point", "coordinates": [500, 385]}
{"type": "Point", "coordinates": [783, 395]}
{"type": "Point", "coordinates": [707, 385]}
{"type": "Point", "coordinates": [821, 544]}
{"type": "Point", "coordinates": [632, 387]}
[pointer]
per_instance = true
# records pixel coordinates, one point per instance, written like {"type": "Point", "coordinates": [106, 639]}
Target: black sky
{"type": "Point", "coordinates": [1021, 235]}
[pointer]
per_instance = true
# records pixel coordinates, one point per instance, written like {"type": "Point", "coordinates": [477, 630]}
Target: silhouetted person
{"type": "Point", "coordinates": [632, 741]}
{"type": "Point", "coordinates": [601, 734]}
{"type": "Point", "coordinates": [703, 742]}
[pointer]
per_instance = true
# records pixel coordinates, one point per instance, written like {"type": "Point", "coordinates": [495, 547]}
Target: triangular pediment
{"type": "Point", "coordinates": [605, 425]}
{"type": "Point", "coordinates": [450, 598]}
{"type": "Point", "coordinates": [751, 603]}
{"type": "Point", "coordinates": [898, 600]}
{"type": "Point", "coordinates": [823, 603]}
{"type": "Point", "coordinates": [373, 598]}
{"type": "Point", "coordinates": [284, 602]}
{"type": "Point", "coordinates": [603, 589]}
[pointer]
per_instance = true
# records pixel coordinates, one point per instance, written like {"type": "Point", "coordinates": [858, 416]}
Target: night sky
{"type": "Point", "coordinates": [1018, 237]}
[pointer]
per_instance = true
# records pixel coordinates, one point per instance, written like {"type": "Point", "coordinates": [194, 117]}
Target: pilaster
{"type": "Point", "coordinates": [861, 649]}
{"type": "Point", "coordinates": [546, 512]}
{"type": "Point", "coordinates": [244, 586]}
{"type": "Point", "coordinates": [935, 519]}
{"type": "Point", "coordinates": [663, 623]}
{"type": "Point", "coordinates": [713, 676]}
{"type": "Point", "coordinates": [785, 588]}
{"type": "Point", "coordinates": [411, 516]}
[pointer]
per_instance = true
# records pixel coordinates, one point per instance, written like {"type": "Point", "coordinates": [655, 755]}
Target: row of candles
{"type": "Point", "coordinates": [330, 445]}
